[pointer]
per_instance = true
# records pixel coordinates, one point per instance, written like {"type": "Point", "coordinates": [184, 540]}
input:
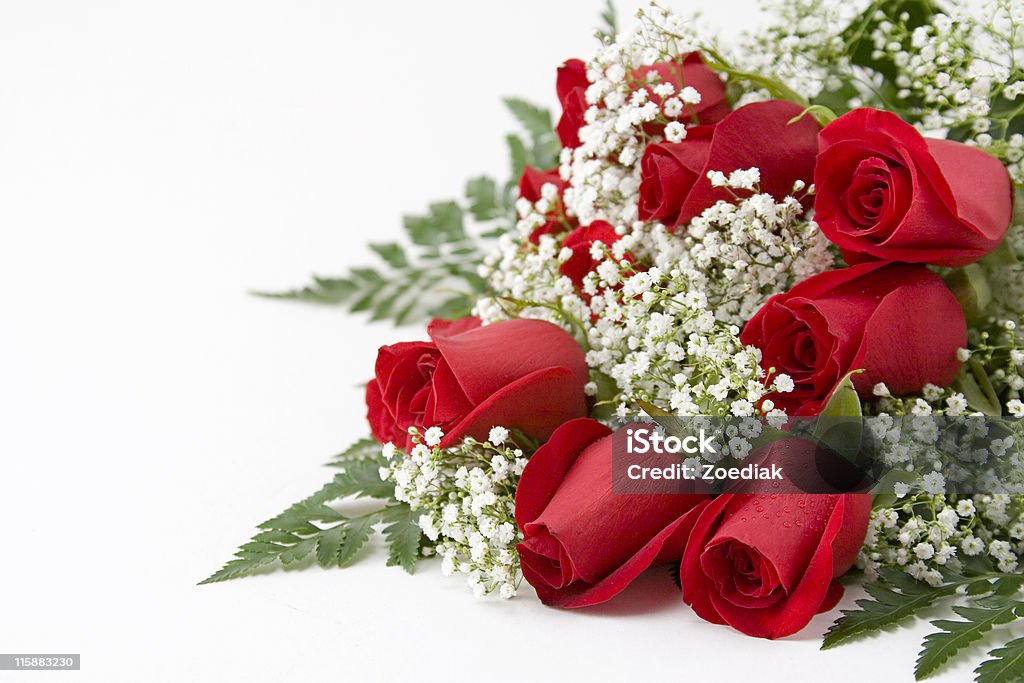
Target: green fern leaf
{"type": "Point", "coordinates": [956, 635]}
{"type": "Point", "coordinates": [885, 607]}
{"type": "Point", "coordinates": [403, 535]}
{"type": "Point", "coordinates": [312, 525]}
{"type": "Point", "coordinates": [363, 449]}
{"type": "Point", "coordinates": [1006, 665]}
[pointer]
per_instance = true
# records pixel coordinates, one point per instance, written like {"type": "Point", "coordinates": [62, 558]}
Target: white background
{"type": "Point", "coordinates": [156, 162]}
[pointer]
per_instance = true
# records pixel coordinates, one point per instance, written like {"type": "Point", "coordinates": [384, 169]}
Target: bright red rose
{"type": "Point", "coordinates": [766, 564]}
{"type": "Point", "coordinates": [674, 187]}
{"type": "Point", "coordinates": [582, 543]}
{"type": "Point", "coordinates": [533, 180]}
{"type": "Point", "coordinates": [579, 241]}
{"type": "Point", "coordinates": [897, 322]}
{"type": "Point", "coordinates": [884, 190]}
{"type": "Point", "coordinates": [689, 71]}
{"type": "Point", "coordinates": [520, 374]}
{"type": "Point", "coordinates": [531, 184]}
{"type": "Point", "coordinates": [571, 87]}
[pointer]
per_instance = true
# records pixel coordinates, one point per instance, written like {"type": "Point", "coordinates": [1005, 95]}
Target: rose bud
{"type": "Point", "coordinates": [674, 187]}
{"type": "Point", "coordinates": [571, 87]}
{"type": "Point", "coordinates": [766, 564]}
{"type": "Point", "coordinates": [899, 323]}
{"type": "Point", "coordinates": [583, 543]}
{"type": "Point", "coordinates": [885, 191]}
{"type": "Point", "coordinates": [469, 378]}
{"type": "Point", "coordinates": [531, 186]}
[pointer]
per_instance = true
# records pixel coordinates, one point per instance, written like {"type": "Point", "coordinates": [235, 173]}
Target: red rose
{"type": "Point", "coordinates": [583, 544]}
{"type": "Point", "coordinates": [766, 564]}
{"type": "Point", "coordinates": [571, 87]}
{"type": "Point", "coordinates": [688, 71]}
{"type": "Point", "coordinates": [521, 374]}
{"type": "Point", "coordinates": [579, 241]}
{"type": "Point", "coordinates": [674, 187]}
{"type": "Point", "coordinates": [533, 180]}
{"type": "Point", "coordinates": [897, 322]}
{"type": "Point", "coordinates": [884, 190]}
{"type": "Point", "coordinates": [531, 184]}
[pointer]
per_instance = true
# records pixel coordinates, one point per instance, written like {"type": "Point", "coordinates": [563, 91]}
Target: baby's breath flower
{"type": "Point", "coordinates": [465, 496]}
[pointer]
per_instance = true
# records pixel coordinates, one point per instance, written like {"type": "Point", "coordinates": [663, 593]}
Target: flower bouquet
{"type": "Point", "coordinates": [746, 311]}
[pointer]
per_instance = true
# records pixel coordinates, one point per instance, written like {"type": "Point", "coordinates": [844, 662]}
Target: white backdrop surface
{"type": "Point", "coordinates": [158, 160]}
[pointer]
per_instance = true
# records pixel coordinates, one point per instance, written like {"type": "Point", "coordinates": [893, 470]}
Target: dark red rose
{"type": "Point", "coordinates": [571, 87]}
{"type": "Point", "coordinates": [520, 374]}
{"type": "Point", "coordinates": [885, 191]}
{"type": "Point", "coordinates": [531, 183]}
{"type": "Point", "coordinates": [579, 241]}
{"type": "Point", "coordinates": [897, 322]}
{"type": "Point", "coordinates": [688, 71]}
{"type": "Point", "coordinates": [582, 543]}
{"type": "Point", "coordinates": [766, 564]}
{"type": "Point", "coordinates": [674, 187]}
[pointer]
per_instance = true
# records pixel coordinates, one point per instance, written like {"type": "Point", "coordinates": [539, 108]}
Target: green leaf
{"type": "Point", "coordinates": [363, 449]}
{"type": "Point", "coordinates": [298, 551]}
{"type": "Point", "coordinates": [1006, 665]}
{"type": "Point", "coordinates": [329, 545]}
{"type": "Point", "coordinates": [356, 535]}
{"type": "Point", "coordinates": [322, 291]}
{"type": "Point", "coordinates": [313, 525]}
{"type": "Point", "coordinates": [844, 401]}
{"type": "Point", "coordinates": [361, 478]}
{"type": "Point", "coordinates": [517, 153]}
{"type": "Point", "coordinates": [392, 253]}
{"type": "Point", "coordinates": [651, 409]}
{"type": "Point", "coordinates": [974, 384]}
{"type": "Point", "coordinates": [971, 288]}
{"type": "Point", "coordinates": [442, 225]}
{"type": "Point", "coordinates": [240, 567]}
{"type": "Point", "coordinates": [885, 607]}
{"type": "Point", "coordinates": [484, 198]}
{"type": "Point", "coordinates": [956, 635]}
{"type": "Point", "coordinates": [858, 34]}
{"type": "Point", "coordinates": [838, 426]}
{"type": "Point", "coordinates": [882, 496]}
{"type": "Point", "coordinates": [1004, 255]}
{"type": "Point", "coordinates": [536, 120]}
{"type": "Point", "coordinates": [456, 307]}
{"type": "Point", "coordinates": [610, 27]}
{"type": "Point", "coordinates": [403, 535]}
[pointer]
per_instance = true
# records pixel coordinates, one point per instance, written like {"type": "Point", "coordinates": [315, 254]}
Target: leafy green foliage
{"type": "Point", "coordinates": [838, 426]}
{"type": "Point", "coordinates": [858, 34]}
{"type": "Point", "coordinates": [955, 635]}
{"type": "Point", "coordinates": [992, 599]}
{"type": "Point", "coordinates": [610, 27]}
{"type": "Point", "coordinates": [1006, 665]}
{"type": "Point", "coordinates": [410, 285]}
{"type": "Point", "coordinates": [363, 449]}
{"type": "Point", "coordinates": [543, 148]}
{"type": "Point", "coordinates": [313, 527]}
{"type": "Point", "coordinates": [485, 202]}
{"type": "Point", "coordinates": [434, 273]}
{"type": "Point", "coordinates": [974, 383]}
{"type": "Point", "coordinates": [403, 535]}
{"type": "Point", "coordinates": [890, 602]}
